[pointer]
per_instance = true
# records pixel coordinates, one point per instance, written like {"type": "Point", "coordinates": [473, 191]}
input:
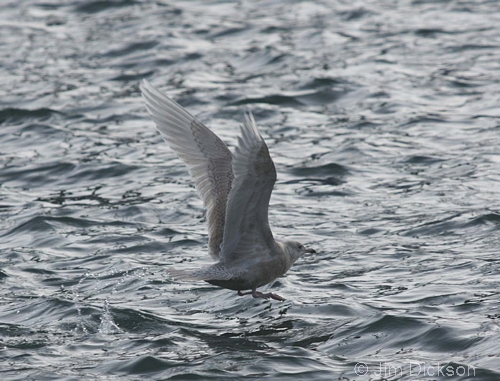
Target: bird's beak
{"type": "Point", "coordinates": [311, 251]}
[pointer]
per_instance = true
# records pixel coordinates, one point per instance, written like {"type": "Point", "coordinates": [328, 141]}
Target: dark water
{"type": "Point", "coordinates": [383, 118]}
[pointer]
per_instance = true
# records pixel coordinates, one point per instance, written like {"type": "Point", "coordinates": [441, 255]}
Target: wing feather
{"type": "Point", "coordinates": [208, 159]}
{"type": "Point", "coordinates": [247, 232]}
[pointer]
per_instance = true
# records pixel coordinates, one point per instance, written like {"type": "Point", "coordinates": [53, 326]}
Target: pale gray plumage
{"type": "Point", "coordinates": [236, 190]}
{"type": "Point", "coordinates": [207, 157]}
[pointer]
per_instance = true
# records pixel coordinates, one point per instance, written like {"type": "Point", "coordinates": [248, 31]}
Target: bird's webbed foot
{"type": "Point", "coordinates": [258, 294]}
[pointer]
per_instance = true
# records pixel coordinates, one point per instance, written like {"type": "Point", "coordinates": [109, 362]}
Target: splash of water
{"type": "Point", "coordinates": [107, 324]}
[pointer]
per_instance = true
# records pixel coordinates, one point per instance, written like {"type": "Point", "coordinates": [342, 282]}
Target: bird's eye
{"type": "Point", "coordinates": [301, 247]}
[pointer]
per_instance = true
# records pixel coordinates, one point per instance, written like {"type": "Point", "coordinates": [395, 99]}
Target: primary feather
{"type": "Point", "coordinates": [206, 156]}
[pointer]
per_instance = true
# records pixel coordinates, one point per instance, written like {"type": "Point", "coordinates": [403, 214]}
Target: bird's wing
{"type": "Point", "coordinates": [247, 233]}
{"type": "Point", "coordinates": [207, 157]}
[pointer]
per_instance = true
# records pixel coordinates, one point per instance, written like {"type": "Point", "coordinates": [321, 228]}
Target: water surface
{"type": "Point", "coordinates": [383, 120]}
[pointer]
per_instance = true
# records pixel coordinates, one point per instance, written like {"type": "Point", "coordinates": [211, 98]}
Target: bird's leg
{"type": "Point", "coordinates": [243, 293]}
{"type": "Point", "coordinates": [258, 294]}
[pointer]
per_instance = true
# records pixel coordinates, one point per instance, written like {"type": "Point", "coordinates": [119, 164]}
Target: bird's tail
{"type": "Point", "coordinates": [205, 273]}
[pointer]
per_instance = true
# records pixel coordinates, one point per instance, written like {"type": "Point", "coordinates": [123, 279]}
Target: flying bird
{"type": "Point", "coordinates": [235, 189]}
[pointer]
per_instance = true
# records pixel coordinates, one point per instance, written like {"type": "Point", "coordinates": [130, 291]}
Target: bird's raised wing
{"type": "Point", "coordinates": [207, 157]}
{"type": "Point", "coordinates": [247, 232]}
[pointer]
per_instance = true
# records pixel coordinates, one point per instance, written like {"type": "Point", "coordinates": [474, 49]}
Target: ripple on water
{"type": "Point", "coordinates": [382, 119]}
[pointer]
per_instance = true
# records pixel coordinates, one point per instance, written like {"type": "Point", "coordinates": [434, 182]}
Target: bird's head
{"type": "Point", "coordinates": [296, 250]}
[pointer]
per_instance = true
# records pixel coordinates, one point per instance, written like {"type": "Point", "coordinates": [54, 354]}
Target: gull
{"type": "Point", "coordinates": [235, 189]}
